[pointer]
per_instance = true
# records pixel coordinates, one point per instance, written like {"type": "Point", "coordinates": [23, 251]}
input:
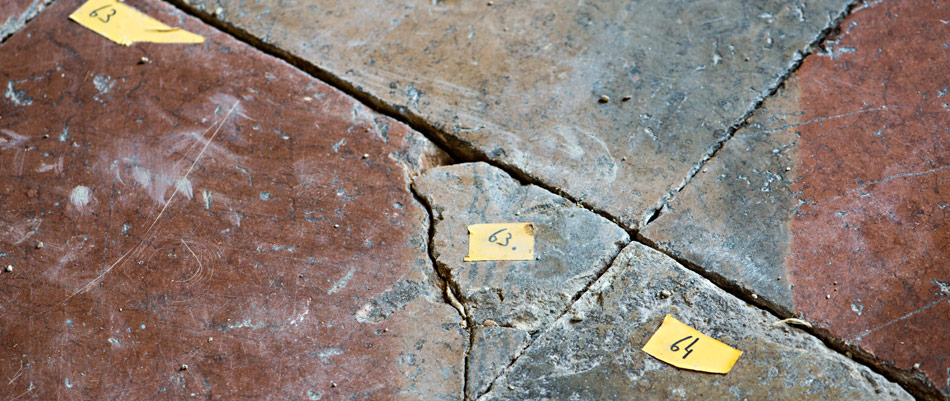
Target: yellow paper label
{"type": "Point", "coordinates": [125, 25]}
{"type": "Point", "coordinates": [682, 346]}
{"type": "Point", "coordinates": [500, 241]}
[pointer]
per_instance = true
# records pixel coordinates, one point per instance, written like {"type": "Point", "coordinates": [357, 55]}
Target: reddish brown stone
{"type": "Point", "coordinates": [832, 203]}
{"type": "Point", "coordinates": [215, 224]}
{"type": "Point", "coordinates": [877, 185]}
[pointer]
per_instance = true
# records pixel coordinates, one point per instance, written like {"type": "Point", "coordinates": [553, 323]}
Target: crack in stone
{"type": "Point", "coordinates": [461, 151]}
{"type": "Point", "coordinates": [447, 287]}
{"type": "Point", "coordinates": [570, 307]}
{"type": "Point", "coordinates": [13, 25]}
{"type": "Point", "coordinates": [797, 59]}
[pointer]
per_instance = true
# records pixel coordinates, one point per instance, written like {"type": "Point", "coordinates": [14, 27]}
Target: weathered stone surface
{"type": "Point", "coordinates": [831, 203]}
{"type": "Point", "coordinates": [573, 246]}
{"type": "Point", "coordinates": [214, 208]}
{"type": "Point", "coordinates": [493, 349]}
{"type": "Point", "coordinates": [599, 357]}
{"type": "Point", "coordinates": [15, 13]}
{"type": "Point", "coordinates": [520, 83]}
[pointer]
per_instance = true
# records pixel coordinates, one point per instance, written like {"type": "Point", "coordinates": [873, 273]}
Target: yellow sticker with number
{"type": "Point", "coordinates": [125, 25]}
{"type": "Point", "coordinates": [500, 241]}
{"type": "Point", "coordinates": [682, 346]}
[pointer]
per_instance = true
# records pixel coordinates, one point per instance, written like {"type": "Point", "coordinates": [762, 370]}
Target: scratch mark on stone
{"type": "Point", "coordinates": [925, 307]}
{"type": "Point", "coordinates": [886, 179]}
{"type": "Point", "coordinates": [17, 375]}
{"type": "Point", "coordinates": [58, 167]}
{"type": "Point", "coordinates": [200, 267]}
{"type": "Point", "coordinates": [15, 139]}
{"type": "Point", "coordinates": [148, 231]}
{"type": "Point", "coordinates": [817, 120]}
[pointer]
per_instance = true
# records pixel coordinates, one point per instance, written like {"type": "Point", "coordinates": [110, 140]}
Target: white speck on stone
{"type": "Point", "coordinates": [207, 195]}
{"type": "Point", "coordinates": [183, 185]}
{"type": "Point", "coordinates": [342, 283]}
{"type": "Point", "coordinates": [325, 354]}
{"type": "Point", "coordinates": [314, 395]}
{"type": "Point", "coordinates": [80, 196]}
{"type": "Point", "coordinates": [142, 176]}
{"type": "Point", "coordinates": [103, 84]}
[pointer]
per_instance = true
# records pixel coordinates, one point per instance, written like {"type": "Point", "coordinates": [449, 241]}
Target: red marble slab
{"type": "Point", "coordinates": [214, 224]}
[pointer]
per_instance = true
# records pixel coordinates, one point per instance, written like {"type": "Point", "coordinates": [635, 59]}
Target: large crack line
{"type": "Point", "coordinates": [916, 384]}
{"type": "Point", "coordinates": [569, 308]}
{"type": "Point", "coordinates": [461, 151]}
{"type": "Point", "coordinates": [449, 287]}
{"type": "Point", "coordinates": [797, 59]}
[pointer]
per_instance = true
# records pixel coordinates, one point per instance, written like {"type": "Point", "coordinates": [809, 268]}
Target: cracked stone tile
{"type": "Point", "coordinates": [831, 203]}
{"type": "Point", "coordinates": [599, 357]}
{"type": "Point", "coordinates": [493, 349]}
{"type": "Point", "coordinates": [520, 83]}
{"type": "Point", "coordinates": [572, 246]}
{"type": "Point", "coordinates": [211, 223]}
{"type": "Point", "coordinates": [15, 13]}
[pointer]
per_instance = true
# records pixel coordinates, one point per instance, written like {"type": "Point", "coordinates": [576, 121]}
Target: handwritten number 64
{"type": "Point", "coordinates": [494, 237]}
{"type": "Point", "coordinates": [95, 13]}
{"type": "Point", "coordinates": [675, 347]}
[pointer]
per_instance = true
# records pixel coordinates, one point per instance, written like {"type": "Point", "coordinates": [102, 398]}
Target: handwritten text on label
{"type": "Point", "coordinates": [684, 347]}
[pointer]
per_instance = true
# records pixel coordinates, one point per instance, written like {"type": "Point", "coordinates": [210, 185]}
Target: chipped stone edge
{"type": "Point", "coordinates": [13, 25]}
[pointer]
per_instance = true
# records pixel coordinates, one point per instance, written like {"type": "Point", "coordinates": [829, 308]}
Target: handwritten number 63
{"type": "Point", "coordinates": [95, 13]}
{"type": "Point", "coordinates": [494, 237]}
{"type": "Point", "coordinates": [675, 347]}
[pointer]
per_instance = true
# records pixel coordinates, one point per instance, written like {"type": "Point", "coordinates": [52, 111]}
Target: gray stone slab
{"type": "Point", "coordinates": [732, 220]}
{"type": "Point", "coordinates": [520, 83]}
{"type": "Point", "coordinates": [594, 352]}
{"type": "Point", "coordinates": [573, 246]}
{"type": "Point", "coordinates": [493, 349]}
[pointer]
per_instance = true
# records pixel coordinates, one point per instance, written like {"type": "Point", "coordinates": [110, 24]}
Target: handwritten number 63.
{"type": "Point", "coordinates": [95, 13]}
{"type": "Point", "coordinates": [675, 347]}
{"type": "Point", "coordinates": [494, 237]}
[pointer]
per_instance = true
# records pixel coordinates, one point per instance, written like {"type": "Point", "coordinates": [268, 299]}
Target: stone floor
{"type": "Point", "coordinates": [281, 212]}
